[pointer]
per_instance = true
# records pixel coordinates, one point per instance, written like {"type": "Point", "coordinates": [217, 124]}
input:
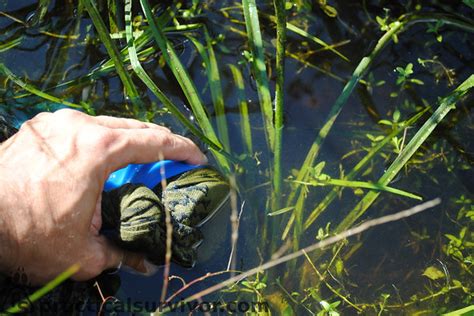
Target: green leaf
{"type": "Point", "coordinates": [325, 305]}
{"type": "Point", "coordinates": [433, 273]}
{"type": "Point", "coordinates": [417, 81]}
{"type": "Point", "coordinates": [381, 21]}
{"type": "Point", "coordinates": [396, 115]}
{"type": "Point", "coordinates": [318, 169]}
{"type": "Point", "coordinates": [409, 69]}
{"type": "Point", "coordinates": [339, 267]}
{"type": "Point", "coordinates": [281, 211]}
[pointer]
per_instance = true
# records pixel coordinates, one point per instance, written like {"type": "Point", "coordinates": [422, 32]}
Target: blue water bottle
{"type": "Point", "coordinates": [149, 174]}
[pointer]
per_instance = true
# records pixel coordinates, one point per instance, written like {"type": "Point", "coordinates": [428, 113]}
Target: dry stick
{"type": "Point", "coordinates": [169, 236]}
{"type": "Point", "coordinates": [234, 219]}
{"type": "Point", "coordinates": [189, 284]}
{"type": "Point", "coordinates": [324, 243]}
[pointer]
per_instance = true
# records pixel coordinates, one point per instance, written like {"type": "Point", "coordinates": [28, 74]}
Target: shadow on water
{"type": "Point", "coordinates": [386, 261]}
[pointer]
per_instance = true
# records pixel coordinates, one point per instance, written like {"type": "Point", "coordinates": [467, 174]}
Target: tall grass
{"type": "Point", "coordinates": [184, 80]}
{"type": "Point", "coordinates": [259, 68]}
{"type": "Point", "coordinates": [446, 104]}
{"type": "Point", "coordinates": [392, 32]}
{"type": "Point", "coordinates": [114, 54]}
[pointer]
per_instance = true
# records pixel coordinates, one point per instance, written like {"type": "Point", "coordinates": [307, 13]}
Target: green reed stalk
{"type": "Point", "coordinates": [212, 70]}
{"type": "Point", "coordinates": [445, 105]}
{"type": "Point", "coordinates": [245, 129]}
{"type": "Point", "coordinates": [141, 73]}
{"type": "Point", "coordinates": [114, 54]}
{"type": "Point", "coordinates": [260, 70]}
{"type": "Point", "coordinates": [181, 74]}
{"type": "Point", "coordinates": [26, 303]}
{"type": "Point", "coordinates": [360, 184]}
{"type": "Point", "coordinates": [28, 87]}
{"type": "Point", "coordinates": [280, 12]}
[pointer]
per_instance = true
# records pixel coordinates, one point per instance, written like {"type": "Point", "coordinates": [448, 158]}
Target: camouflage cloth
{"type": "Point", "coordinates": [134, 216]}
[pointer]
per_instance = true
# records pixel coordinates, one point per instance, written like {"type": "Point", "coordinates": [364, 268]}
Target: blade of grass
{"type": "Point", "coordinates": [28, 87]}
{"type": "Point", "coordinates": [360, 184]}
{"type": "Point", "coordinates": [260, 70]}
{"type": "Point", "coordinates": [26, 303]}
{"type": "Point", "coordinates": [11, 44]}
{"type": "Point", "coordinates": [445, 105]}
{"type": "Point", "coordinates": [245, 129]}
{"type": "Point", "coordinates": [213, 77]}
{"type": "Point", "coordinates": [181, 74]}
{"type": "Point", "coordinates": [114, 54]}
{"type": "Point", "coordinates": [141, 73]}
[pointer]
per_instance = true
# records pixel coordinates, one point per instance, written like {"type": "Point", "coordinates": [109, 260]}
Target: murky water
{"type": "Point", "coordinates": [385, 260]}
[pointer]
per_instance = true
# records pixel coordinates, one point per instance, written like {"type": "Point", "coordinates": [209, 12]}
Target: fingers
{"type": "Point", "coordinates": [149, 145]}
{"type": "Point", "coordinates": [131, 141]}
{"type": "Point", "coordinates": [112, 258]}
{"type": "Point", "coordinates": [137, 263]}
{"type": "Point", "coordinates": [115, 122]}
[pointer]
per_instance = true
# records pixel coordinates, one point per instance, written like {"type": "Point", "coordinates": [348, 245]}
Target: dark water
{"type": "Point", "coordinates": [391, 258]}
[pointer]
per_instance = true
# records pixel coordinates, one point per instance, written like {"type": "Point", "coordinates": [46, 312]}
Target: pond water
{"type": "Point", "coordinates": [384, 266]}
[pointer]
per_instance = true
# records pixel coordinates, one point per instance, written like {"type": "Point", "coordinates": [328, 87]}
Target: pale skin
{"type": "Point", "coordinates": [52, 174]}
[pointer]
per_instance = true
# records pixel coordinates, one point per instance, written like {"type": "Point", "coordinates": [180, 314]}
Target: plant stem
{"type": "Point", "coordinates": [279, 100]}
{"type": "Point", "coordinates": [260, 70]}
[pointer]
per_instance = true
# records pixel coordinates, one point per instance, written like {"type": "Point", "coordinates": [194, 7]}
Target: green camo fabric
{"type": "Point", "coordinates": [134, 218]}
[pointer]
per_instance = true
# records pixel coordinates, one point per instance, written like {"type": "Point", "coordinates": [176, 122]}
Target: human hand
{"type": "Point", "coordinates": [53, 172]}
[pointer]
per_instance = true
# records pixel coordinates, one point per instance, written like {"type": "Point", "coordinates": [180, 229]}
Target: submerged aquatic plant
{"type": "Point", "coordinates": [278, 40]}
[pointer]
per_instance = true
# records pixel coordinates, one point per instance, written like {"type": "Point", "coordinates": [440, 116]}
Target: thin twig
{"type": "Point", "coordinates": [235, 220]}
{"type": "Point", "coordinates": [189, 284]}
{"type": "Point", "coordinates": [169, 236]}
